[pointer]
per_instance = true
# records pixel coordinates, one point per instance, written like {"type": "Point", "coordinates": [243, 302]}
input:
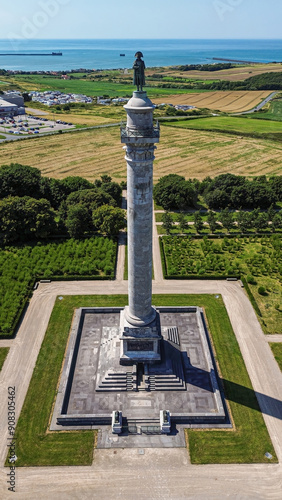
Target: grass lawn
{"type": "Point", "coordinates": [277, 351]}
{"type": "Point", "coordinates": [246, 444]}
{"type": "Point", "coordinates": [3, 354]}
{"type": "Point", "coordinates": [238, 125]}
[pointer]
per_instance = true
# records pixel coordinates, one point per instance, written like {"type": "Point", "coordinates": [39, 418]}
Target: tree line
{"type": "Point", "coordinates": [36, 207]}
{"type": "Point", "coordinates": [174, 192]}
{"type": "Point", "coordinates": [239, 221]}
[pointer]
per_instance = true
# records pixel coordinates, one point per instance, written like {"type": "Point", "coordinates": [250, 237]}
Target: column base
{"type": "Point", "coordinates": [134, 321]}
{"type": "Point", "coordinates": [140, 344]}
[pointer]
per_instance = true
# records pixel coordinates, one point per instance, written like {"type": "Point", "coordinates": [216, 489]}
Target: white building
{"type": "Point", "coordinates": [8, 109]}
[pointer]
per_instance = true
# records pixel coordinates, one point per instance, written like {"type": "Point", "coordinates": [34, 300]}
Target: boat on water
{"type": "Point", "coordinates": [122, 55]}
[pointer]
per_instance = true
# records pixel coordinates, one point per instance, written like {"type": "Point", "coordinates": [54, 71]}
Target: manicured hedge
{"type": "Point", "coordinates": [21, 266]}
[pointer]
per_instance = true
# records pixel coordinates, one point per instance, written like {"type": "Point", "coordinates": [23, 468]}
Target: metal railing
{"type": "Point", "coordinates": [152, 132]}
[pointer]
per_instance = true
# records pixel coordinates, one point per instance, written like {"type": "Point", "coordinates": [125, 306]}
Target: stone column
{"type": "Point", "coordinates": [139, 135]}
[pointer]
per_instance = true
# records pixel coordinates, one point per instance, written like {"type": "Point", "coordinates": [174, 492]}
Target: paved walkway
{"type": "Point", "coordinates": [147, 473]}
{"type": "Point", "coordinates": [273, 338]}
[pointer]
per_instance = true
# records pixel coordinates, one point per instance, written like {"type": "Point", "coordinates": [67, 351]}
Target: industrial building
{"type": "Point", "coordinates": [11, 104]}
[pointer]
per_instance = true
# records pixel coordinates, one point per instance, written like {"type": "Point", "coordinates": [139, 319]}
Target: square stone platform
{"type": "Point", "coordinates": [94, 383]}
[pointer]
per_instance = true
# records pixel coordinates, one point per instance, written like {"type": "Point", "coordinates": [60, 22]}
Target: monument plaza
{"type": "Point", "coordinates": [143, 369]}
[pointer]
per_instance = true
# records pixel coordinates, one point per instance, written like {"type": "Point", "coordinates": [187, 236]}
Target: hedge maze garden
{"type": "Point", "coordinates": [255, 259]}
{"type": "Point", "coordinates": [21, 266]}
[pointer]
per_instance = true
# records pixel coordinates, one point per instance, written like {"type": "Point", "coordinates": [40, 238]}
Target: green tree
{"type": "Point", "coordinates": [244, 221]}
{"type": "Point", "coordinates": [109, 220]}
{"type": "Point", "coordinates": [276, 222]}
{"type": "Point", "coordinates": [19, 180]}
{"type": "Point", "coordinates": [173, 191]}
{"type": "Point", "coordinates": [25, 218]}
{"type": "Point", "coordinates": [212, 221]}
{"type": "Point", "coordinates": [226, 219]}
{"type": "Point", "coordinates": [93, 198]}
{"type": "Point", "coordinates": [167, 221]}
{"type": "Point", "coordinates": [183, 224]}
{"type": "Point", "coordinates": [198, 223]}
{"type": "Point", "coordinates": [75, 183]}
{"type": "Point", "coordinates": [261, 221]}
{"type": "Point", "coordinates": [78, 221]}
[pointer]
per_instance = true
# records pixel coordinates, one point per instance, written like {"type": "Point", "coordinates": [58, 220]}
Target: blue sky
{"type": "Point", "coordinates": [141, 19]}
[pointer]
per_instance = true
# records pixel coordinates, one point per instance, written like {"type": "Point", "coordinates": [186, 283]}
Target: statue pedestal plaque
{"type": "Point", "coordinates": [139, 344]}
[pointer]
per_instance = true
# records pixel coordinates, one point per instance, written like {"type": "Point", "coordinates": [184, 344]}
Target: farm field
{"type": "Point", "coordinates": [191, 153]}
{"type": "Point", "coordinates": [81, 86]}
{"type": "Point", "coordinates": [238, 73]}
{"type": "Point", "coordinates": [238, 125]}
{"type": "Point", "coordinates": [21, 265]}
{"type": "Point", "coordinates": [248, 256]}
{"type": "Point", "coordinates": [274, 111]}
{"type": "Point", "coordinates": [227, 101]}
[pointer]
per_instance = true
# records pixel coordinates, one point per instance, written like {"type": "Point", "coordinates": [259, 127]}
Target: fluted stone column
{"type": "Point", "coordinates": [140, 135]}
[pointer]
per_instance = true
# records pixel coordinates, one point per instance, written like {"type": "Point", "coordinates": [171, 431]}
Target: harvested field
{"type": "Point", "coordinates": [192, 153]}
{"type": "Point", "coordinates": [227, 101]}
{"type": "Point", "coordinates": [233, 74]}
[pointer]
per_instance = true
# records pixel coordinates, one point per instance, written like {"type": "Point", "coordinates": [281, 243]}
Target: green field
{"type": "Point", "coordinates": [274, 112]}
{"type": "Point", "coordinates": [87, 87]}
{"type": "Point", "coordinates": [233, 124]}
{"type": "Point", "coordinates": [3, 354]}
{"type": "Point", "coordinates": [247, 443]}
{"type": "Point", "coordinates": [259, 257]}
{"type": "Point", "coordinates": [277, 351]}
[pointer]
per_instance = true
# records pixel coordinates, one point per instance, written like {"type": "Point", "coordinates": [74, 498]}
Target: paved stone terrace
{"type": "Point", "coordinates": [98, 354]}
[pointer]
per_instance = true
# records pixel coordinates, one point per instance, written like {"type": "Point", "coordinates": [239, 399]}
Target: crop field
{"type": "Point", "coordinates": [248, 256]}
{"type": "Point", "coordinates": [91, 116]}
{"type": "Point", "coordinates": [236, 74]}
{"type": "Point", "coordinates": [227, 101]}
{"type": "Point", "coordinates": [191, 153]}
{"type": "Point", "coordinates": [21, 265]}
{"type": "Point", "coordinates": [235, 124]}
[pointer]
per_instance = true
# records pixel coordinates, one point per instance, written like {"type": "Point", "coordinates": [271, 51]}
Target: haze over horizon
{"type": "Point", "coordinates": [162, 19]}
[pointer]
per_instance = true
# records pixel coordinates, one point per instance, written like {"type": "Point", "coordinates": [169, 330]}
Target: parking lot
{"type": "Point", "coordinates": [13, 128]}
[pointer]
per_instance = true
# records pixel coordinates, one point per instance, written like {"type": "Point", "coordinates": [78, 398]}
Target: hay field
{"type": "Point", "coordinates": [192, 153]}
{"type": "Point", "coordinates": [227, 101]}
{"type": "Point", "coordinates": [233, 74]}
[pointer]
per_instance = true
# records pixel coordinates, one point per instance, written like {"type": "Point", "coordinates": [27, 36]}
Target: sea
{"type": "Point", "coordinates": [105, 54]}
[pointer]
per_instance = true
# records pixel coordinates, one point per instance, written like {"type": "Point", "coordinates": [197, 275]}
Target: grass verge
{"type": "Point", "coordinates": [3, 354]}
{"type": "Point", "coordinates": [37, 447]}
{"type": "Point", "coordinates": [277, 351]}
